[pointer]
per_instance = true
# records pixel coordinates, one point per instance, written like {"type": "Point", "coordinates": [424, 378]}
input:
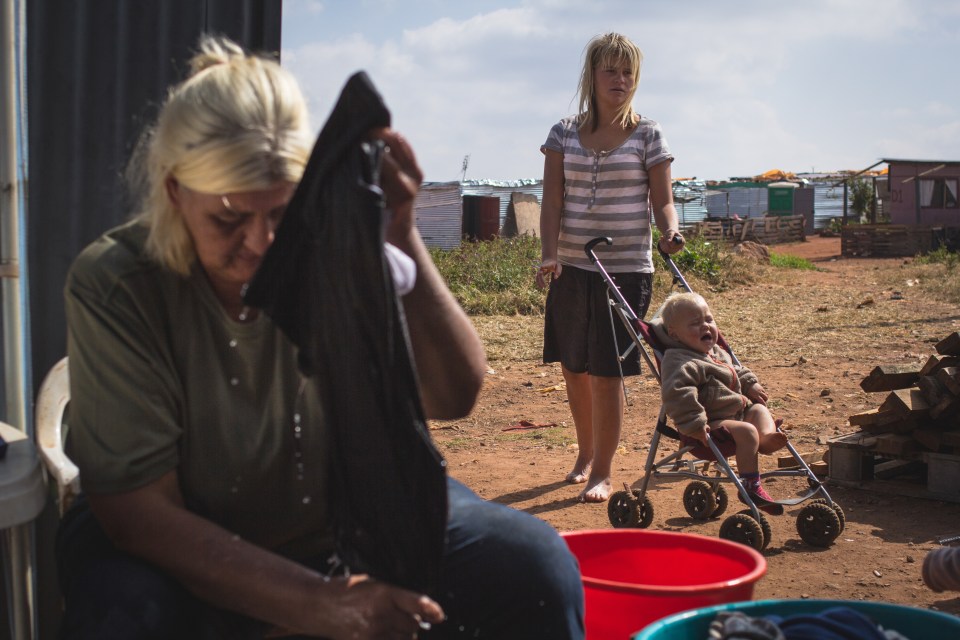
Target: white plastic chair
{"type": "Point", "coordinates": [51, 403]}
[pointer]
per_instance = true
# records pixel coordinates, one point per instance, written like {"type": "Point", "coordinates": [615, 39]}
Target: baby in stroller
{"type": "Point", "coordinates": [705, 390]}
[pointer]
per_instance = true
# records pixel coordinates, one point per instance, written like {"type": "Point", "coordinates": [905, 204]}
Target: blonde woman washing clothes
{"type": "Point", "coordinates": [206, 455]}
{"type": "Point", "coordinates": [604, 169]}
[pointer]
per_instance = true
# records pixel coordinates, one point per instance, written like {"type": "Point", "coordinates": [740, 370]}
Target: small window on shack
{"type": "Point", "coordinates": [938, 193]}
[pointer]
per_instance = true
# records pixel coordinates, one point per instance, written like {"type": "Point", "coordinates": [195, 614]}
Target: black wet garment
{"type": "Point", "coordinates": [326, 283]}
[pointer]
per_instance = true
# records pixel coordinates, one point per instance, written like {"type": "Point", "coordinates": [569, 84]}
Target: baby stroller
{"type": "Point", "coordinates": [819, 522]}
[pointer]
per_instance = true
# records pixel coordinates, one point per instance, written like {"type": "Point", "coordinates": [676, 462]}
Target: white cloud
{"type": "Point", "coordinates": [739, 87]}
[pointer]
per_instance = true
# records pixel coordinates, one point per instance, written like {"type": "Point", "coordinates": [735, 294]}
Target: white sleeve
{"type": "Point", "coordinates": [402, 268]}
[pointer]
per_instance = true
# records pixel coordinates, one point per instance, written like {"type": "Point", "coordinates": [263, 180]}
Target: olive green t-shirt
{"type": "Point", "coordinates": [162, 379]}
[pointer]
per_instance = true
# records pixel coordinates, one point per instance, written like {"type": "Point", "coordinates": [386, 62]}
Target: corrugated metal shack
{"type": "Point", "coordinates": [751, 199]}
{"type": "Point", "coordinates": [439, 206]}
{"type": "Point", "coordinates": [829, 201]}
{"type": "Point", "coordinates": [820, 199]}
{"type": "Point", "coordinates": [918, 201]}
{"type": "Point", "coordinates": [743, 199]}
{"type": "Point", "coordinates": [690, 199]}
{"type": "Point", "coordinates": [924, 191]}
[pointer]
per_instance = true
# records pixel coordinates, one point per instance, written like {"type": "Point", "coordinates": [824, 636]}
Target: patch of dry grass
{"type": "Point", "coordinates": [766, 310]}
{"type": "Point", "coordinates": [938, 280]}
{"type": "Point", "coordinates": [517, 338]}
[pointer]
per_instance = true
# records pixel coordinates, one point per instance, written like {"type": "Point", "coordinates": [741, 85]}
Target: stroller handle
{"type": "Point", "coordinates": [588, 248]}
{"type": "Point", "coordinates": [666, 256]}
{"type": "Point", "coordinates": [615, 291]}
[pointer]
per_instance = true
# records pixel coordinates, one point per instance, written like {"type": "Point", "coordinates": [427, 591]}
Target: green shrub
{"type": "Point", "coordinates": [935, 273]}
{"type": "Point", "coordinates": [494, 277]}
{"type": "Point", "coordinates": [698, 257]}
{"type": "Point", "coordinates": [940, 255]}
{"type": "Point", "coordinates": [790, 262]}
{"type": "Point", "coordinates": [708, 262]}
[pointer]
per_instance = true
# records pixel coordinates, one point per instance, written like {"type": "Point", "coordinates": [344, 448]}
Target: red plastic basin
{"type": "Point", "coordinates": [632, 577]}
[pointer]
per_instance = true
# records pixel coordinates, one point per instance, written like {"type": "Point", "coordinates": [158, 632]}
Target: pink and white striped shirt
{"type": "Point", "coordinates": [606, 194]}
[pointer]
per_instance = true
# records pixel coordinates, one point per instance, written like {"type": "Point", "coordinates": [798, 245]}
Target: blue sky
{"type": "Point", "coordinates": [738, 87]}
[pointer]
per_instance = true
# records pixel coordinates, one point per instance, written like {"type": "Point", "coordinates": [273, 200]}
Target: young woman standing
{"type": "Point", "coordinates": [605, 171]}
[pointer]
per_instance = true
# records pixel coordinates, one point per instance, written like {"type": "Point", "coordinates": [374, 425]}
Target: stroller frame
{"type": "Point", "coordinates": [818, 523]}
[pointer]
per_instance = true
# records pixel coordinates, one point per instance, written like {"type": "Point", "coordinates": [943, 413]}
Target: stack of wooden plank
{"type": "Point", "coordinates": [921, 411]}
{"type": "Point", "coordinates": [917, 422]}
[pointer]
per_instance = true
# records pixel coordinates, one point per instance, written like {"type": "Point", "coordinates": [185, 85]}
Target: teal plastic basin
{"type": "Point", "coordinates": [913, 622]}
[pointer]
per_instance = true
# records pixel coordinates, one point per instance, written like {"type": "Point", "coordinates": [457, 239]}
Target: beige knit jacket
{"type": "Point", "coordinates": [697, 388]}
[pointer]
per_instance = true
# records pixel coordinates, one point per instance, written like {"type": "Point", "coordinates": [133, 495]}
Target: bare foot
{"type": "Point", "coordinates": [772, 442]}
{"type": "Point", "coordinates": [598, 492]}
{"type": "Point", "coordinates": [581, 471]}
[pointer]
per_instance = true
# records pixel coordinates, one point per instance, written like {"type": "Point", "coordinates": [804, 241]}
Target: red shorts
{"type": "Point", "coordinates": [720, 436]}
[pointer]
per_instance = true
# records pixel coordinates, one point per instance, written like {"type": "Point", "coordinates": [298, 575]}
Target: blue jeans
{"type": "Point", "coordinates": [506, 575]}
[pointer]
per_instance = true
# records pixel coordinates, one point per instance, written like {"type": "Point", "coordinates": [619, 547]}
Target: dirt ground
{"type": "Point", "coordinates": [811, 336]}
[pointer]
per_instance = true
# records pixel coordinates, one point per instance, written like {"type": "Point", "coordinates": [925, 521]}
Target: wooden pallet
{"type": "Point", "coordinates": [766, 230]}
{"type": "Point", "coordinates": [885, 240]}
{"type": "Point", "coordinates": [881, 462]}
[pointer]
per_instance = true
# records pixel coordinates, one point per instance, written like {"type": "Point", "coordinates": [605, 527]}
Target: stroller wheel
{"type": "Point", "coordinates": [628, 511]}
{"type": "Point", "coordinates": [742, 528]}
{"type": "Point", "coordinates": [699, 500]}
{"type": "Point", "coordinates": [836, 508]}
{"type": "Point", "coordinates": [818, 525]}
{"type": "Point", "coordinates": [722, 501]}
{"type": "Point", "coordinates": [764, 527]}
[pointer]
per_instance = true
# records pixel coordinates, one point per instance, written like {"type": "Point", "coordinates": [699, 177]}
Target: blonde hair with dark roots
{"type": "Point", "coordinates": [677, 301]}
{"type": "Point", "coordinates": [608, 49]}
{"type": "Point", "coordinates": [238, 123]}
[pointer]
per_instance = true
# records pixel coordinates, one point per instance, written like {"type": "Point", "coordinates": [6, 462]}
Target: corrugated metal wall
{"type": "Point", "coordinates": [827, 203]}
{"type": "Point", "coordinates": [96, 72]}
{"type": "Point", "coordinates": [803, 204]}
{"type": "Point", "coordinates": [746, 202]}
{"type": "Point", "coordinates": [439, 206]}
{"type": "Point", "coordinates": [829, 199]}
{"type": "Point", "coordinates": [502, 189]}
{"type": "Point", "coordinates": [690, 200]}
{"type": "Point", "coordinates": [438, 212]}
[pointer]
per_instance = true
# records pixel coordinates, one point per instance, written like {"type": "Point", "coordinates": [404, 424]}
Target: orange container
{"type": "Point", "coordinates": [632, 577]}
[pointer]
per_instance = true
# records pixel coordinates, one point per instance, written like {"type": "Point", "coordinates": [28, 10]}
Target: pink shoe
{"type": "Point", "coordinates": [763, 500]}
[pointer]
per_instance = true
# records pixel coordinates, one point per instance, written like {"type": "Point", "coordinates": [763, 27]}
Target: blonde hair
{"type": "Point", "coordinates": [238, 123]}
{"type": "Point", "coordinates": [607, 49]}
{"type": "Point", "coordinates": [676, 302]}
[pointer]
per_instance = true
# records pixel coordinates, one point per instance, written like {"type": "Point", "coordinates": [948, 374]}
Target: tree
{"type": "Point", "coordinates": [862, 199]}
